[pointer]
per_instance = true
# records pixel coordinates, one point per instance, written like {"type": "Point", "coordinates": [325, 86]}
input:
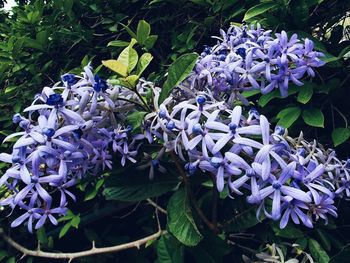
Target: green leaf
{"type": "Point", "coordinates": [344, 51]}
{"type": "Point", "coordinates": [150, 41]}
{"type": "Point", "coordinates": [290, 231]}
{"type": "Point", "coordinates": [178, 71]}
{"type": "Point", "coordinates": [118, 43]}
{"type": "Point", "coordinates": [328, 58]}
{"type": "Point", "coordinates": [75, 221]}
{"type": "Point", "coordinates": [116, 66]}
{"type": "Point", "coordinates": [318, 252]}
{"type": "Point", "coordinates": [134, 187]}
{"type": "Point", "coordinates": [180, 221]}
{"type": "Point", "coordinates": [288, 116]}
{"type": "Point", "coordinates": [211, 249]}
{"type": "Point", "coordinates": [313, 117]}
{"type": "Point", "coordinates": [258, 10]}
{"type": "Point", "coordinates": [129, 57]}
{"type": "Point", "coordinates": [143, 63]}
{"type": "Point", "coordinates": [243, 220]}
{"type": "Point", "coordinates": [324, 238]}
{"type": "Point", "coordinates": [3, 254]}
{"type": "Point", "coordinates": [41, 235]}
{"type": "Point", "coordinates": [130, 32]}
{"type": "Point", "coordinates": [169, 250]}
{"type": "Point", "coordinates": [247, 94]}
{"type": "Point", "coordinates": [340, 135]}
{"type": "Point", "coordinates": [305, 93]}
{"type": "Point", "coordinates": [143, 31]}
{"type": "Point", "coordinates": [64, 229]}
{"type": "Point", "coordinates": [135, 119]}
{"type": "Point", "coordinates": [266, 98]}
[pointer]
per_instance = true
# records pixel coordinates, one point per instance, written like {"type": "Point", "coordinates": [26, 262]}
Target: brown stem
{"type": "Point", "coordinates": [199, 211]}
{"type": "Point", "coordinates": [73, 255]}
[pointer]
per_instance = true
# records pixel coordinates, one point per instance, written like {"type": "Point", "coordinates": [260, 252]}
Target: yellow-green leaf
{"type": "Point", "coordinates": [129, 57]}
{"type": "Point", "coordinates": [143, 63]}
{"type": "Point", "coordinates": [116, 66]}
{"type": "Point", "coordinates": [258, 10]}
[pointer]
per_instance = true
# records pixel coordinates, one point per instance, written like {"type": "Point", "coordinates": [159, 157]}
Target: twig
{"type": "Point", "coordinates": [160, 209]}
{"type": "Point", "coordinates": [93, 251]}
{"type": "Point", "coordinates": [192, 198]}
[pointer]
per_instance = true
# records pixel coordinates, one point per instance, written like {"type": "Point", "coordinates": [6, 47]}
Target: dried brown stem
{"type": "Point", "coordinates": [73, 255]}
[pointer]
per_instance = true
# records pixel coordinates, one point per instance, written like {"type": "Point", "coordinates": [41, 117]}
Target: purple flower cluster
{"type": "Point", "coordinates": [249, 58]}
{"type": "Point", "coordinates": [285, 177]}
{"type": "Point", "coordinates": [71, 131]}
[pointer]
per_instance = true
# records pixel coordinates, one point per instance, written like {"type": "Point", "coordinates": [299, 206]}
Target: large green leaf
{"type": "Point", "coordinates": [143, 31]}
{"type": "Point", "coordinates": [169, 250]}
{"type": "Point", "coordinates": [313, 117]}
{"type": "Point", "coordinates": [133, 186]}
{"type": "Point", "coordinates": [340, 135]}
{"type": "Point", "coordinates": [318, 252]}
{"type": "Point", "coordinates": [129, 57]}
{"type": "Point", "coordinates": [288, 116]}
{"type": "Point", "coordinates": [178, 71]}
{"type": "Point", "coordinates": [258, 10]}
{"type": "Point", "coordinates": [180, 221]}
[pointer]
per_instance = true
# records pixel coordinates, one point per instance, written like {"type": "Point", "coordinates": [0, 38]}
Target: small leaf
{"type": "Point", "coordinates": [64, 229]}
{"type": "Point", "coordinates": [305, 93]}
{"type": "Point", "coordinates": [116, 66]}
{"type": "Point", "coordinates": [151, 40]}
{"type": "Point", "coordinates": [178, 71]}
{"type": "Point", "coordinates": [143, 63]}
{"type": "Point", "coordinates": [75, 221]}
{"type": "Point", "coordinates": [180, 221]}
{"type": "Point", "coordinates": [288, 116]}
{"type": "Point", "coordinates": [318, 252]}
{"type": "Point", "coordinates": [118, 43]}
{"type": "Point", "coordinates": [313, 117]}
{"type": "Point", "coordinates": [258, 10]}
{"type": "Point", "coordinates": [143, 31]}
{"type": "Point", "coordinates": [340, 135]}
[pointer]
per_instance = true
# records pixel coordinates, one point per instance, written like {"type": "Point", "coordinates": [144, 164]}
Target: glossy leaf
{"type": "Point", "coordinates": [178, 71]}
{"type": "Point", "coordinates": [258, 10]}
{"type": "Point", "coordinates": [313, 117]}
{"type": "Point", "coordinates": [116, 66]}
{"type": "Point", "coordinates": [340, 135]}
{"type": "Point", "coordinates": [318, 252]}
{"type": "Point", "coordinates": [288, 116]}
{"type": "Point", "coordinates": [180, 221]}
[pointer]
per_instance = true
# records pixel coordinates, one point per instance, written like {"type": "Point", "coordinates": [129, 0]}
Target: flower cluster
{"type": "Point", "coordinates": [252, 59]}
{"type": "Point", "coordinates": [285, 177]}
{"type": "Point", "coordinates": [71, 131]}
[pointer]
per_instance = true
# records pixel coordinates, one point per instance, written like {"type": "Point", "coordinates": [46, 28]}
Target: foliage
{"type": "Point", "coordinates": [147, 39]}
